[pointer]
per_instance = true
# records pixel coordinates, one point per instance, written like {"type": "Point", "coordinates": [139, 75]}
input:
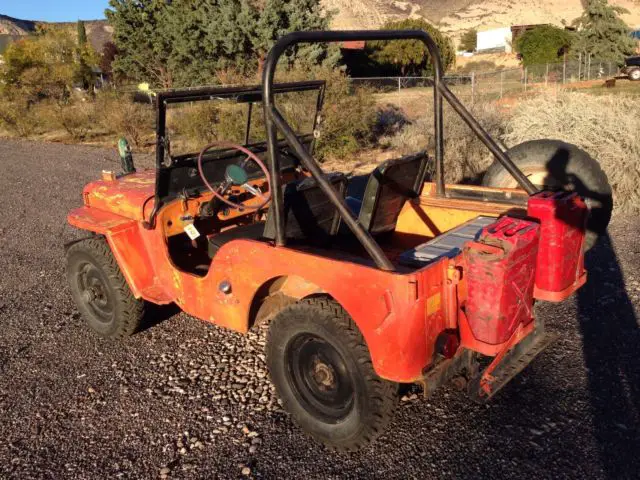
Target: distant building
{"type": "Point", "coordinates": [495, 40]}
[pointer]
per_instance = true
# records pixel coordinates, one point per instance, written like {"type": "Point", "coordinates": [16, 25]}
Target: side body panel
{"type": "Point", "coordinates": [400, 314]}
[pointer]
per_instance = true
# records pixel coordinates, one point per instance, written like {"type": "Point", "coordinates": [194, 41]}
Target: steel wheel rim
{"type": "Point", "coordinates": [94, 292]}
{"type": "Point", "coordinates": [319, 378]}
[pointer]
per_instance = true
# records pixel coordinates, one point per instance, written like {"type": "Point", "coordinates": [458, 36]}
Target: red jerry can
{"type": "Point", "coordinates": [562, 217]}
{"type": "Point", "coordinates": [500, 272]}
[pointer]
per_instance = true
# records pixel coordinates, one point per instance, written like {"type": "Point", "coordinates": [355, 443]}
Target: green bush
{"type": "Point", "coordinates": [543, 44]}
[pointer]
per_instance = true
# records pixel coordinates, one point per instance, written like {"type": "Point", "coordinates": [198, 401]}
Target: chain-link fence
{"type": "Point", "coordinates": [496, 84]}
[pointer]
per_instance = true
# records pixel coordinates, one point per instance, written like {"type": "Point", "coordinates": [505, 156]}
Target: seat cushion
{"type": "Point", "coordinates": [254, 231]}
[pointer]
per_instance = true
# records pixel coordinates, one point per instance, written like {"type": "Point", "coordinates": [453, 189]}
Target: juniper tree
{"type": "Point", "coordinates": [602, 33]}
{"type": "Point", "coordinates": [410, 57]}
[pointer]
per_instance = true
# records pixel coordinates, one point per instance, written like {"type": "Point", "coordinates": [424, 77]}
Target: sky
{"type": "Point", "coordinates": [54, 10]}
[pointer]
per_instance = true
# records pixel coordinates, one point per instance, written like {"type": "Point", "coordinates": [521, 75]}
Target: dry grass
{"type": "Point", "coordinates": [466, 157]}
{"type": "Point", "coordinates": [606, 126]}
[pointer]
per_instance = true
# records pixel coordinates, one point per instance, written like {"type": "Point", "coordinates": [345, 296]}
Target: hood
{"type": "Point", "coordinates": [125, 196]}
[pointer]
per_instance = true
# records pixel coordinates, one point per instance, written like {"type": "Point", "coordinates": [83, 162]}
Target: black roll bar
{"type": "Point", "coordinates": [274, 121]}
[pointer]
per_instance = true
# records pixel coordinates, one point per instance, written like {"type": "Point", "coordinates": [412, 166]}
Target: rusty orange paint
{"type": "Point", "coordinates": [399, 314]}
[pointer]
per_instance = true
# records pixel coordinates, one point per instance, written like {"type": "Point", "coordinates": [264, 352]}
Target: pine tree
{"type": "Point", "coordinates": [602, 33]}
{"type": "Point", "coordinates": [276, 18]}
{"type": "Point", "coordinates": [142, 39]}
{"type": "Point", "coordinates": [82, 33]}
{"type": "Point", "coordinates": [83, 74]}
{"type": "Point", "coordinates": [170, 43]}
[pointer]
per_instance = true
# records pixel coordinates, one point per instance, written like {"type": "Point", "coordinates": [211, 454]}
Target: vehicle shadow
{"type": "Point", "coordinates": [156, 314]}
{"type": "Point", "coordinates": [611, 336]}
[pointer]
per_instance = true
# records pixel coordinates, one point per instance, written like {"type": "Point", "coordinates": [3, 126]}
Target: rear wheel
{"type": "Point", "coordinates": [322, 370]}
{"type": "Point", "coordinates": [558, 165]}
{"type": "Point", "coordinates": [634, 74]}
{"type": "Point", "coordinates": [100, 291]}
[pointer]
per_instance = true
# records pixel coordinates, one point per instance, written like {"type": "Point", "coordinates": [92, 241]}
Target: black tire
{"type": "Point", "coordinates": [100, 291]}
{"type": "Point", "coordinates": [564, 166]}
{"type": "Point", "coordinates": [322, 370]}
{"type": "Point", "coordinates": [634, 75]}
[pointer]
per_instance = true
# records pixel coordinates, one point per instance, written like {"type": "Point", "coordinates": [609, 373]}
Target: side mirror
{"type": "Point", "coordinates": [126, 157]}
{"type": "Point", "coordinates": [236, 175]}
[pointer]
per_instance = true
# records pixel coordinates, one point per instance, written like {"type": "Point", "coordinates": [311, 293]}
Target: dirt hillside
{"type": "Point", "coordinates": [455, 16]}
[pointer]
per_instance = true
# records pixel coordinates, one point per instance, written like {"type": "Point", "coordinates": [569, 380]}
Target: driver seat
{"type": "Point", "coordinates": [309, 216]}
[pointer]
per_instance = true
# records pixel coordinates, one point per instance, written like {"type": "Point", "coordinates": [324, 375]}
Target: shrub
{"type": "Point", "coordinates": [194, 126]}
{"type": "Point", "coordinates": [410, 57]}
{"type": "Point", "coordinates": [605, 126]}
{"type": "Point", "coordinates": [77, 119]}
{"type": "Point", "coordinates": [543, 44]}
{"type": "Point", "coordinates": [479, 66]}
{"type": "Point", "coordinates": [469, 40]}
{"type": "Point", "coordinates": [466, 157]}
{"type": "Point", "coordinates": [117, 114]}
{"type": "Point", "coordinates": [17, 118]}
{"type": "Point", "coordinates": [348, 117]}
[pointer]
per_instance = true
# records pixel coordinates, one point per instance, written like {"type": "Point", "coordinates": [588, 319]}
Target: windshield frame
{"type": "Point", "coordinates": [248, 94]}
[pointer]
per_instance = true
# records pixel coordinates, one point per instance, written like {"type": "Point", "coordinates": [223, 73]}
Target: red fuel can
{"type": "Point", "coordinates": [560, 268]}
{"type": "Point", "coordinates": [500, 273]}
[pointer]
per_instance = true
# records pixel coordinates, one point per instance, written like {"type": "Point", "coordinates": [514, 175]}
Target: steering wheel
{"type": "Point", "coordinates": [236, 175]}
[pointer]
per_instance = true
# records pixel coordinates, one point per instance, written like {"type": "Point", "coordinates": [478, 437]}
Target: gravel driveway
{"type": "Point", "coordinates": [187, 400]}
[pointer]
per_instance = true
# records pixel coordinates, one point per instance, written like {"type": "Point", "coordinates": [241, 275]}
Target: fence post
{"type": "Point", "coordinates": [399, 85]}
{"type": "Point", "coordinates": [580, 66]}
{"type": "Point", "coordinates": [564, 68]}
{"type": "Point", "coordinates": [473, 87]}
{"type": "Point", "coordinates": [546, 77]}
{"type": "Point", "coordinates": [501, 84]}
{"type": "Point", "coordinates": [526, 78]}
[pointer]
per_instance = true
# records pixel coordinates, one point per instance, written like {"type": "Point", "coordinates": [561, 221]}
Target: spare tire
{"type": "Point", "coordinates": [556, 164]}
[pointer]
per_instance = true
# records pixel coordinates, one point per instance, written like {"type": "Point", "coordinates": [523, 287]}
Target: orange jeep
{"type": "Point", "coordinates": [367, 282]}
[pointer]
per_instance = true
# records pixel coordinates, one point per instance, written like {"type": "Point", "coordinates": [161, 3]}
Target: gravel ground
{"type": "Point", "coordinates": [187, 400]}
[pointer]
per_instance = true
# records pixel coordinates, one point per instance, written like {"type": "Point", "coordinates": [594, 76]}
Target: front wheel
{"type": "Point", "coordinates": [100, 290]}
{"type": "Point", "coordinates": [322, 370]}
{"type": "Point", "coordinates": [634, 75]}
{"type": "Point", "coordinates": [557, 165]}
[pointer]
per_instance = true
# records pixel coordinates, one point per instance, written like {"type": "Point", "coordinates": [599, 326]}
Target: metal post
{"type": "Point", "coordinates": [501, 83]}
{"type": "Point", "coordinates": [564, 69]}
{"type": "Point", "coordinates": [546, 77]}
{"type": "Point", "coordinates": [526, 75]}
{"type": "Point", "coordinates": [399, 85]}
{"type": "Point", "coordinates": [473, 87]}
{"type": "Point", "coordinates": [580, 66]}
